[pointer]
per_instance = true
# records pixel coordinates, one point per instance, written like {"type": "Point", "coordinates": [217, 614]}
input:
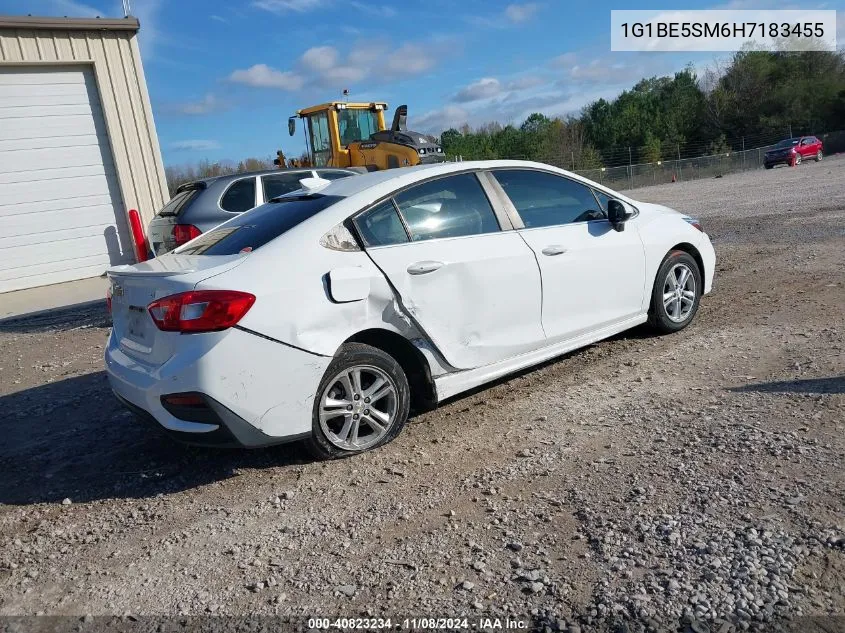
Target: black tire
{"type": "Point", "coordinates": [658, 316]}
{"type": "Point", "coordinates": [768, 166]}
{"type": "Point", "coordinates": [349, 356]}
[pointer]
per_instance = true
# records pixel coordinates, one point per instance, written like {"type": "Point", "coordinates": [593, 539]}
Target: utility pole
{"type": "Point", "coordinates": [790, 130]}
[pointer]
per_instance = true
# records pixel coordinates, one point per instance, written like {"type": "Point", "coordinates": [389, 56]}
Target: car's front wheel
{"type": "Point", "coordinates": [362, 402]}
{"type": "Point", "coordinates": [676, 293]}
{"type": "Point", "coordinates": [819, 156]}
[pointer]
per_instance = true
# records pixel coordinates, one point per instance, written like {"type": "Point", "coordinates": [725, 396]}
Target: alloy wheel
{"type": "Point", "coordinates": [358, 407]}
{"type": "Point", "coordinates": [679, 293]}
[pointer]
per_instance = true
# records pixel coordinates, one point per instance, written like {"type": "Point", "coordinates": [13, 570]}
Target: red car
{"type": "Point", "coordinates": [792, 151]}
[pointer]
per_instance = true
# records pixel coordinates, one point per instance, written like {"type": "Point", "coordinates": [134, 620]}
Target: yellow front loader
{"type": "Point", "coordinates": [340, 134]}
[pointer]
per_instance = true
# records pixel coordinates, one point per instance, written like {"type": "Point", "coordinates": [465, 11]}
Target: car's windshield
{"type": "Point", "coordinates": [253, 229]}
{"type": "Point", "coordinates": [789, 142]}
{"type": "Point", "coordinates": [356, 125]}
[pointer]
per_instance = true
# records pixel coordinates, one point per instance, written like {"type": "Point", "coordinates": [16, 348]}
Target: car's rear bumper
{"type": "Point", "coordinates": [261, 392]}
{"type": "Point", "coordinates": [231, 432]}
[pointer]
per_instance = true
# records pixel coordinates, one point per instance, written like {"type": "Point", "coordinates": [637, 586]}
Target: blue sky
{"type": "Point", "coordinates": [225, 75]}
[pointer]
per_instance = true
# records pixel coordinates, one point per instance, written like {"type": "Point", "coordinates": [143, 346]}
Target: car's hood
{"type": "Point", "coordinates": [653, 209]}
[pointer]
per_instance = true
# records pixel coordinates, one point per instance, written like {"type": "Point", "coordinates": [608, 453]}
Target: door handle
{"type": "Point", "coordinates": [554, 249]}
{"type": "Point", "coordinates": [423, 267]}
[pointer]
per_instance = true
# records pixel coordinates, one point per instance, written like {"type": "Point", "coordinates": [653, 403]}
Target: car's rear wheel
{"type": "Point", "coordinates": [676, 293]}
{"type": "Point", "coordinates": [819, 156]}
{"type": "Point", "coordinates": [362, 402]}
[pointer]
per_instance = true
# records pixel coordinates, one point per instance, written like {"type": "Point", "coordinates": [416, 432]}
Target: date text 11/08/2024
{"type": "Point", "coordinates": [423, 623]}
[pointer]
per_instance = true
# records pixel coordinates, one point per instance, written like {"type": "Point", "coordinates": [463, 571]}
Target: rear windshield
{"type": "Point", "coordinates": [179, 202]}
{"type": "Point", "coordinates": [255, 228]}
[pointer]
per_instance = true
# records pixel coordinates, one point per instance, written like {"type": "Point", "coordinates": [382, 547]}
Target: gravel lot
{"type": "Point", "coordinates": [692, 482]}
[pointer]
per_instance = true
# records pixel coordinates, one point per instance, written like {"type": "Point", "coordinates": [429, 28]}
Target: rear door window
{"type": "Point", "coordinates": [381, 226]}
{"type": "Point", "coordinates": [250, 231]}
{"type": "Point", "coordinates": [454, 206]}
{"type": "Point", "coordinates": [240, 196]}
{"type": "Point", "coordinates": [279, 184]}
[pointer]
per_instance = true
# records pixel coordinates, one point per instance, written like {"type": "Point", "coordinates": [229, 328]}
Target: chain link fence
{"type": "Point", "coordinates": [665, 171]}
{"type": "Point", "coordinates": [645, 174]}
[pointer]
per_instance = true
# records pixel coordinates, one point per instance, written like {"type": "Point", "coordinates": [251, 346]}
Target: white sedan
{"type": "Point", "coordinates": [331, 313]}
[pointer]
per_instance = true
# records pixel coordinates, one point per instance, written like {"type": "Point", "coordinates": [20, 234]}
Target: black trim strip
{"type": "Point", "coordinates": [275, 340]}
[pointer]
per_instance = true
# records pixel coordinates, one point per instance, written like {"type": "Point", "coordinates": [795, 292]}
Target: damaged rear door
{"type": "Point", "coordinates": [473, 288]}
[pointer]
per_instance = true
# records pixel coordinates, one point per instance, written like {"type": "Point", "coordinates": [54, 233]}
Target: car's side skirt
{"type": "Point", "coordinates": [452, 384]}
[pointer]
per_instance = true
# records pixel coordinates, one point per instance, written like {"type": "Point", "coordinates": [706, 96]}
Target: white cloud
{"type": "Point", "coordinates": [442, 119]}
{"type": "Point", "coordinates": [343, 75]}
{"type": "Point", "coordinates": [512, 15]}
{"type": "Point", "coordinates": [326, 67]}
{"type": "Point", "coordinates": [518, 13]}
{"type": "Point", "coordinates": [567, 60]}
{"type": "Point", "coordinates": [367, 52]}
{"type": "Point", "coordinates": [524, 83]}
{"type": "Point", "coordinates": [481, 89]}
{"type": "Point", "coordinates": [599, 71]}
{"type": "Point", "coordinates": [149, 34]}
{"type": "Point", "coordinates": [377, 10]}
{"type": "Point", "coordinates": [263, 76]}
{"type": "Point", "coordinates": [194, 145]}
{"type": "Point", "coordinates": [218, 18]}
{"type": "Point", "coordinates": [71, 9]}
{"type": "Point", "coordinates": [208, 104]}
{"type": "Point", "coordinates": [285, 6]}
{"type": "Point", "coordinates": [409, 59]}
{"type": "Point", "coordinates": [319, 58]}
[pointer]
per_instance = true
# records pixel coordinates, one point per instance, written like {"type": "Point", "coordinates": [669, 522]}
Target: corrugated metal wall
{"type": "Point", "coordinates": [123, 92]}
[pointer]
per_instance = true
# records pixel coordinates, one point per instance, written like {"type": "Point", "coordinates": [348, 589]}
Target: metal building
{"type": "Point", "coordinates": [78, 148]}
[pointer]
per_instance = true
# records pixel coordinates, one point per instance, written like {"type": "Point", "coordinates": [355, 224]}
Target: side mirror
{"type": "Point", "coordinates": [292, 125]}
{"type": "Point", "coordinates": [616, 214]}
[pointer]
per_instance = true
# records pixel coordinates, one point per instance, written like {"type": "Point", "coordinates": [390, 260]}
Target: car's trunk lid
{"type": "Point", "coordinates": [134, 287]}
{"type": "Point", "coordinates": [160, 229]}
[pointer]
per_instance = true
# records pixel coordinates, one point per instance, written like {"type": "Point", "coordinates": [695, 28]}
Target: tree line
{"type": "Point", "coordinates": [752, 100]}
{"type": "Point", "coordinates": [755, 99]}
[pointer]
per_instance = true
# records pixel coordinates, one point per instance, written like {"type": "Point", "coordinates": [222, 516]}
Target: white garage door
{"type": "Point", "coordinates": [61, 216]}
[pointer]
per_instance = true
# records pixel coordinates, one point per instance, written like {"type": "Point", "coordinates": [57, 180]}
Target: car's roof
{"type": "Point", "coordinates": [262, 172]}
{"type": "Point", "coordinates": [399, 177]}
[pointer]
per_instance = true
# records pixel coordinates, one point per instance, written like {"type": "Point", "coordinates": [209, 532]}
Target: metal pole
{"type": "Point", "coordinates": [743, 152]}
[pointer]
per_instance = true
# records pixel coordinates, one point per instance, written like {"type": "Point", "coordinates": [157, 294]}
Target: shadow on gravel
{"type": "Point", "coordinates": [835, 384]}
{"type": "Point", "coordinates": [72, 439]}
{"type": "Point", "coordinates": [84, 315]}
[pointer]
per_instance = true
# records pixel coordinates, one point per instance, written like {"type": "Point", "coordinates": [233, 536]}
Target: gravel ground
{"type": "Point", "coordinates": [692, 482]}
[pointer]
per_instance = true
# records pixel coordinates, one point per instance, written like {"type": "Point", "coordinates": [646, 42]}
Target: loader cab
{"type": "Point", "coordinates": [331, 127]}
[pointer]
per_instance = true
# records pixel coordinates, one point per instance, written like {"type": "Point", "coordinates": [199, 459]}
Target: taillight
{"type": "Point", "coordinates": [108, 299]}
{"type": "Point", "coordinates": [200, 310]}
{"type": "Point", "coordinates": [184, 233]}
